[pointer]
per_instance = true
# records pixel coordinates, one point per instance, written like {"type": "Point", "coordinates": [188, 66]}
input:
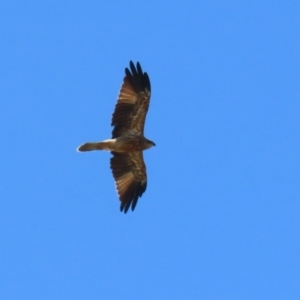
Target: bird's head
{"type": "Point", "coordinates": [149, 144]}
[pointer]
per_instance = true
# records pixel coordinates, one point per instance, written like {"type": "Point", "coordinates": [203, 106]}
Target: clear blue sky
{"type": "Point", "coordinates": [220, 217]}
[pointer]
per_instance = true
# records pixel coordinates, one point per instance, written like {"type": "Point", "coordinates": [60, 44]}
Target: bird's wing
{"type": "Point", "coordinates": [129, 171]}
{"type": "Point", "coordinates": [133, 102]}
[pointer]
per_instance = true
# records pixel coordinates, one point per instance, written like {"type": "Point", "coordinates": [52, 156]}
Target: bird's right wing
{"type": "Point", "coordinates": [133, 102]}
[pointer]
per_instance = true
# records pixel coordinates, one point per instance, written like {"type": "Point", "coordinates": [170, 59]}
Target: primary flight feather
{"type": "Point", "coordinates": [128, 141]}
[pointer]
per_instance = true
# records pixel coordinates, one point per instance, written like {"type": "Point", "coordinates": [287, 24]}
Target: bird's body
{"type": "Point", "coordinates": [128, 141]}
{"type": "Point", "coordinates": [121, 144]}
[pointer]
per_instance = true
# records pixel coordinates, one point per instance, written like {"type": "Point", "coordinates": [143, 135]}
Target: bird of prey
{"type": "Point", "coordinates": [128, 141]}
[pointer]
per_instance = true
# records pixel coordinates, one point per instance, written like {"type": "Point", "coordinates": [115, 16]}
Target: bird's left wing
{"type": "Point", "coordinates": [129, 171]}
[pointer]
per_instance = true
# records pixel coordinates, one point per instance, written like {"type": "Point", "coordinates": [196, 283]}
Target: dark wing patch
{"type": "Point", "coordinates": [129, 172]}
{"type": "Point", "coordinates": [133, 102]}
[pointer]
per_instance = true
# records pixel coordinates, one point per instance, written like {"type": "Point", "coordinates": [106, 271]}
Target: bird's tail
{"type": "Point", "coordinates": [93, 146]}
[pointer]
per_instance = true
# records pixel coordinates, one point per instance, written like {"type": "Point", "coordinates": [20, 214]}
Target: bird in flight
{"type": "Point", "coordinates": [128, 141]}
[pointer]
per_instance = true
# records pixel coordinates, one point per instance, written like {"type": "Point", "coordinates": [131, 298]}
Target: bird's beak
{"type": "Point", "coordinates": [153, 144]}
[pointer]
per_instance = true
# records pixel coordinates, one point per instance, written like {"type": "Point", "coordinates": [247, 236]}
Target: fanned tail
{"type": "Point", "coordinates": [92, 146]}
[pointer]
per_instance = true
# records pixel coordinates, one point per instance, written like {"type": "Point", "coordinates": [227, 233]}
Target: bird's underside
{"type": "Point", "coordinates": [128, 141]}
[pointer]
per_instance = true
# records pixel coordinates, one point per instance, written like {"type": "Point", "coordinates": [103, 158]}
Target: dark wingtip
{"type": "Point", "coordinates": [133, 196]}
{"type": "Point", "coordinates": [124, 207]}
{"type": "Point", "coordinates": [131, 64]}
{"type": "Point", "coordinates": [138, 78]}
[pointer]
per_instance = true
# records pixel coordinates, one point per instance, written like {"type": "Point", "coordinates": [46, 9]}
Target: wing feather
{"type": "Point", "coordinates": [133, 102]}
{"type": "Point", "coordinates": [129, 171]}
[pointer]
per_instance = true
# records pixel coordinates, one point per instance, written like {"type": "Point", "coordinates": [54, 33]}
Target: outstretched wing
{"type": "Point", "coordinates": [133, 102]}
{"type": "Point", "coordinates": [129, 172]}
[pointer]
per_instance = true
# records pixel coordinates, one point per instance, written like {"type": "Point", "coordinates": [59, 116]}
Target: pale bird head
{"type": "Point", "coordinates": [150, 144]}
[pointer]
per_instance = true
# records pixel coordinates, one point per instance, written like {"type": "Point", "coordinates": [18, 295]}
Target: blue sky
{"type": "Point", "coordinates": [220, 217]}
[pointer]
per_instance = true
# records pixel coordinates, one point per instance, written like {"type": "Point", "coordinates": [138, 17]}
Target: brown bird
{"type": "Point", "coordinates": [128, 141]}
